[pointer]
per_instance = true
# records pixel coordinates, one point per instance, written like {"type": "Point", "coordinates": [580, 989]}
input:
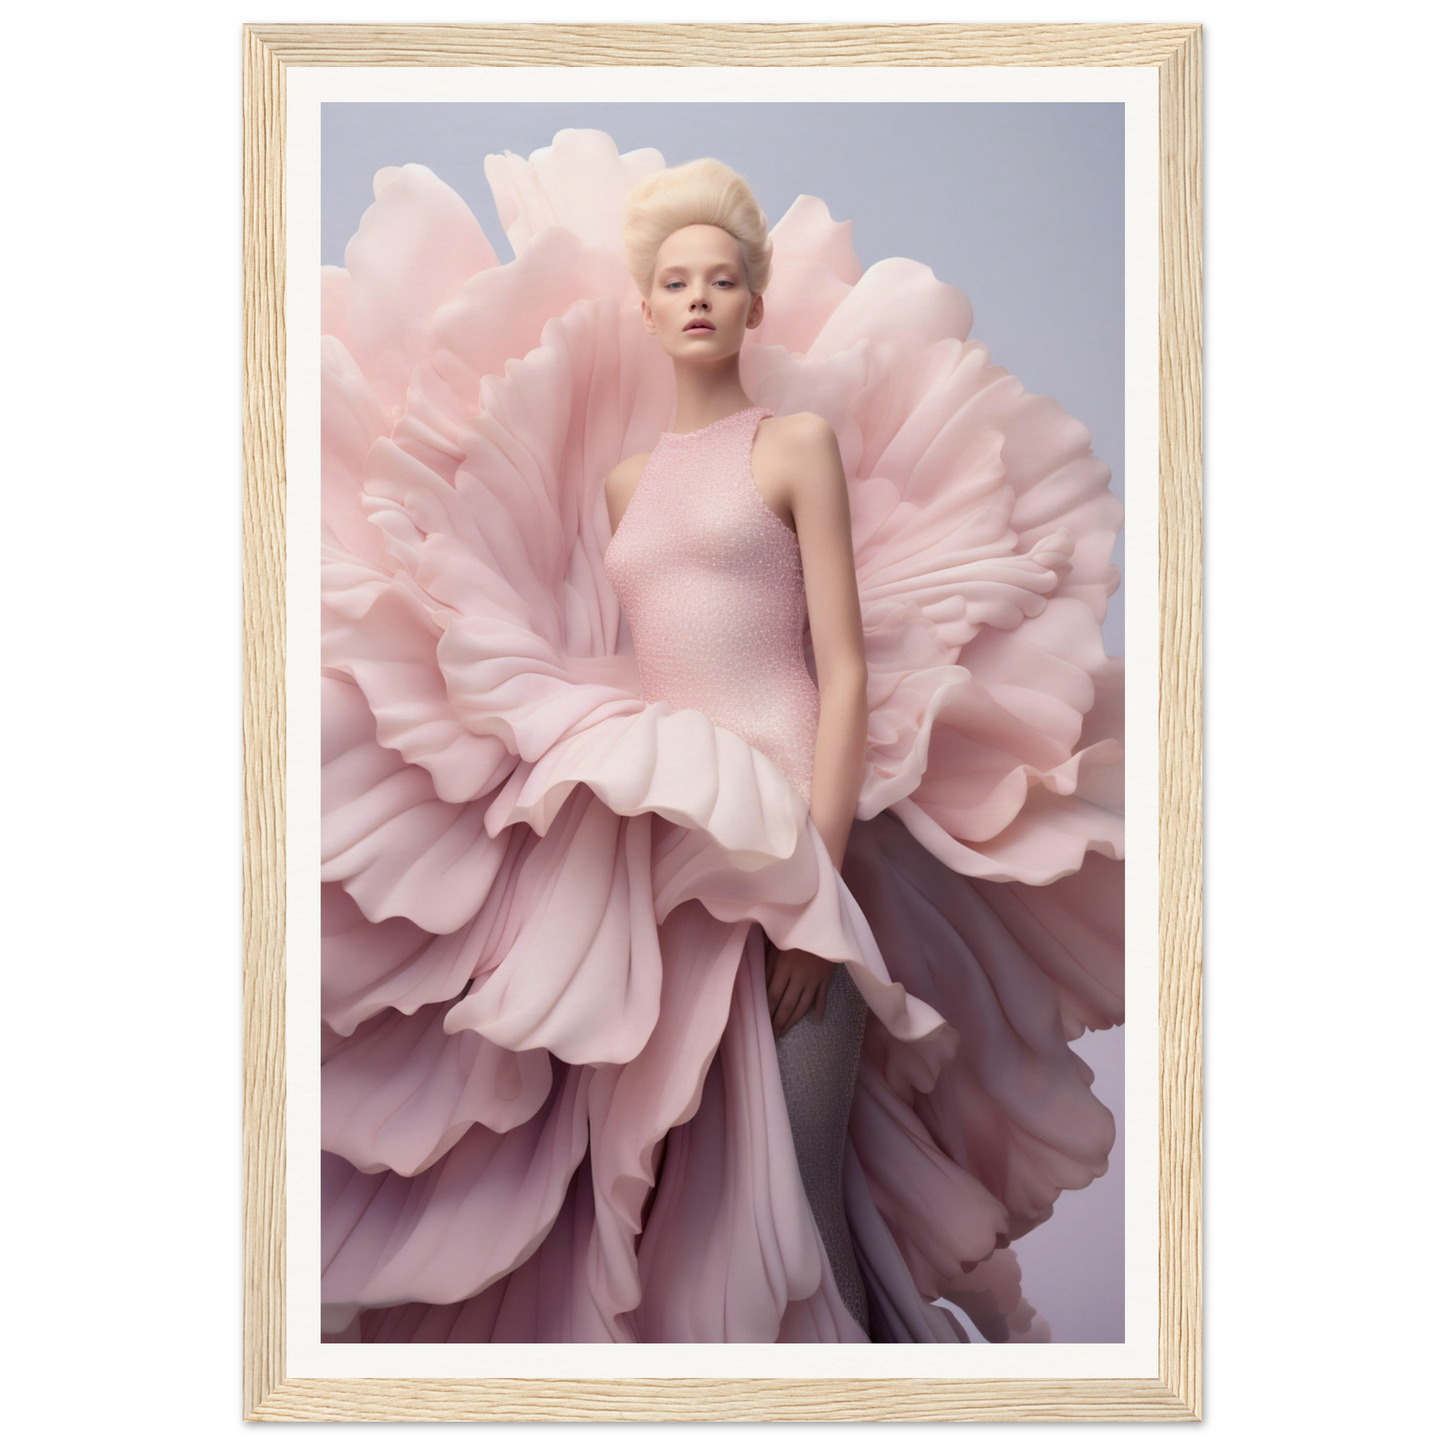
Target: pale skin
{"type": "Point", "coordinates": [699, 277]}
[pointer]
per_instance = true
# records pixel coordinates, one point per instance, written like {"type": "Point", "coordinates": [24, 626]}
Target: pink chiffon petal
{"type": "Point", "coordinates": [400, 1092]}
{"type": "Point", "coordinates": [632, 1106]}
{"type": "Point", "coordinates": [1012, 1106]}
{"type": "Point", "coordinates": [397, 848]}
{"type": "Point", "coordinates": [582, 977]}
{"type": "Point", "coordinates": [730, 1239]}
{"type": "Point", "coordinates": [387, 1239]}
{"type": "Point", "coordinates": [579, 182]}
{"type": "Point", "coordinates": [416, 246]}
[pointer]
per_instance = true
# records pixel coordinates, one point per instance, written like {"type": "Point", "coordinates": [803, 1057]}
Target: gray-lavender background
{"type": "Point", "coordinates": [1019, 205]}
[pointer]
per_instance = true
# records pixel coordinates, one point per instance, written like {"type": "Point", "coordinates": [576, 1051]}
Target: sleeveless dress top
{"type": "Point", "coordinates": [710, 580]}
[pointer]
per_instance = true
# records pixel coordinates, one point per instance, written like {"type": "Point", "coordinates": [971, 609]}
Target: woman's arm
{"type": "Point", "coordinates": [819, 501]}
{"type": "Point", "coordinates": [815, 488]}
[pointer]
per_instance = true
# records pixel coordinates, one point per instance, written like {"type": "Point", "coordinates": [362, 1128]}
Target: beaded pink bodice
{"type": "Point", "coordinates": [710, 580]}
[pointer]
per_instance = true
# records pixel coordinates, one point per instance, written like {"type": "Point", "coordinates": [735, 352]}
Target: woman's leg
{"type": "Point", "coordinates": [818, 1059]}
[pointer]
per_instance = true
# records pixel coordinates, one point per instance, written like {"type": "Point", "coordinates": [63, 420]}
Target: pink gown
{"type": "Point", "coordinates": [710, 579]}
{"type": "Point", "coordinates": [565, 795]}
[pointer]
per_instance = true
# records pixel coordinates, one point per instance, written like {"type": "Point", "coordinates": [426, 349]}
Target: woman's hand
{"type": "Point", "coordinates": [797, 981]}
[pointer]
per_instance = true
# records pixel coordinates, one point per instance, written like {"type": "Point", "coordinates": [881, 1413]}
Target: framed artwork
{"type": "Point", "coordinates": [1054, 174]}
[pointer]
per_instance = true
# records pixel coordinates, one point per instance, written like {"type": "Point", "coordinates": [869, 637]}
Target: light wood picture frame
{"type": "Point", "coordinates": [1175, 52]}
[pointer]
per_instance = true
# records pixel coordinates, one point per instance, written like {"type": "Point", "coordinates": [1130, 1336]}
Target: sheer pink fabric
{"type": "Point", "coordinates": [550, 1099]}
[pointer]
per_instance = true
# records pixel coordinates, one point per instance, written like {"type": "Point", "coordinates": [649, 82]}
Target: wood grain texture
{"type": "Point", "coordinates": [1177, 52]}
{"type": "Point", "coordinates": [784, 44]}
{"type": "Point", "coordinates": [705, 1399]}
{"type": "Point", "coordinates": [1181, 659]}
{"type": "Point", "coordinates": [263, 721]}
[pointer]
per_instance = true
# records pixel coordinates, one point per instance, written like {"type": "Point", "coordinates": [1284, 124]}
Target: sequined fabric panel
{"type": "Point", "coordinates": [710, 579]}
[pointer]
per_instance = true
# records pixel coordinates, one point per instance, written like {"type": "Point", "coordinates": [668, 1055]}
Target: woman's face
{"type": "Point", "coordinates": [700, 306]}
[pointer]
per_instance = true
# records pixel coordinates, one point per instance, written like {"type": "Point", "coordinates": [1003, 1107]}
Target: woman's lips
{"type": "Point", "coordinates": [696, 326]}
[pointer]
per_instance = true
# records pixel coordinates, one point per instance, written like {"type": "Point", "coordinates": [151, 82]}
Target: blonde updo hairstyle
{"type": "Point", "coordinates": [700, 193]}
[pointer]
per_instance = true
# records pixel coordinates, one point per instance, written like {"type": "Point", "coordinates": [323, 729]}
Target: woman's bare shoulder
{"type": "Point", "coordinates": [799, 443]}
{"type": "Point", "coordinates": [799, 456]}
{"type": "Point", "coordinates": [628, 470]}
{"type": "Point", "coordinates": [621, 482]}
{"type": "Point", "coordinates": [801, 429]}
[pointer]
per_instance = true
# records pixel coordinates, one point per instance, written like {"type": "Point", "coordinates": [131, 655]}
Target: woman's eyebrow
{"type": "Point", "coordinates": [716, 266]}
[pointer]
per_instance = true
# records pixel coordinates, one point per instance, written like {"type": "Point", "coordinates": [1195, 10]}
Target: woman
{"type": "Point", "coordinates": [720, 627]}
{"type": "Point", "coordinates": [588, 1048]}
